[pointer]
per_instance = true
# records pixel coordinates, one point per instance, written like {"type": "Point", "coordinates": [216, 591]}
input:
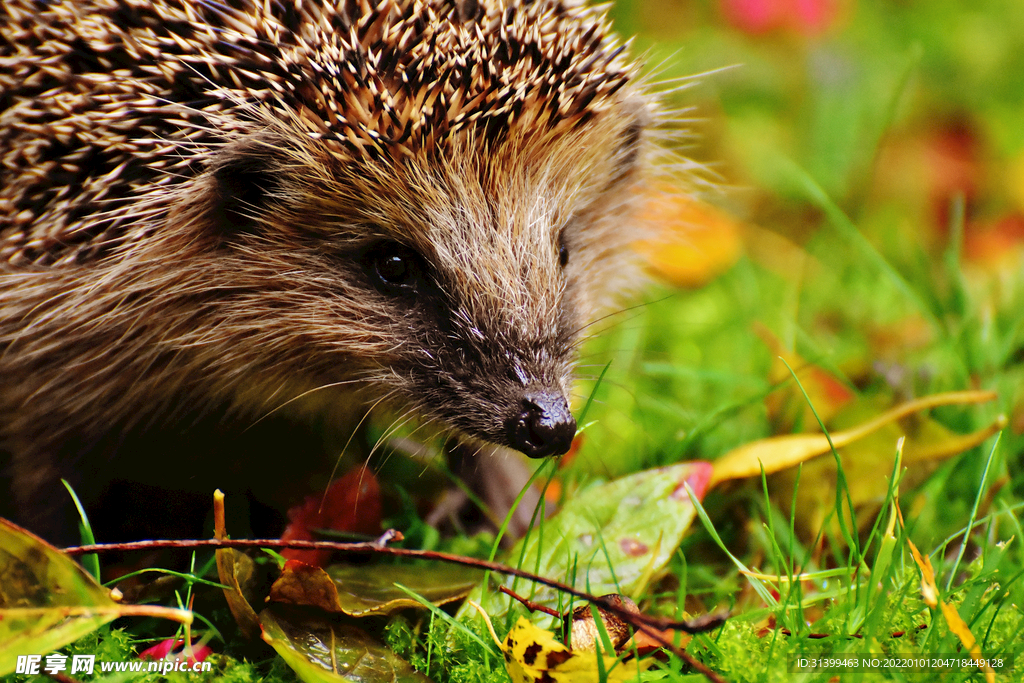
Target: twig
{"type": "Point", "coordinates": [529, 604]}
{"type": "Point", "coordinates": [713, 621]}
{"type": "Point", "coordinates": [699, 625]}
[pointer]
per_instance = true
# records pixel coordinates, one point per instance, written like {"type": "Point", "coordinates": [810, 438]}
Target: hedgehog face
{"type": "Point", "coordinates": [470, 209]}
{"type": "Point", "coordinates": [476, 353]}
{"type": "Point", "coordinates": [481, 286]}
{"type": "Point", "coordinates": [512, 256]}
{"type": "Point", "coordinates": [461, 290]}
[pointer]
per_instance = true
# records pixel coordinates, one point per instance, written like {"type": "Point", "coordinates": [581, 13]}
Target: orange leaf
{"type": "Point", "coordinates": [826, 392]}
{"type": "Point", "coordinates": [996, 245]}
{"type": "Point", "coordinates": [694, 242]}
{"type": "Point", "coordinates": [956, 624]}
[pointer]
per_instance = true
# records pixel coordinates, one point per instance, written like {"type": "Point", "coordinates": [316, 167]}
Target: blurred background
{"type": "Point", "coordinates": [880, 101]}
{"type": "Point", "coordinates": [858, 208]}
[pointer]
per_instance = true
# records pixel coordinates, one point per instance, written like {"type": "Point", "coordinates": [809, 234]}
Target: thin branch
{"type": "Point", "coordinates": [699, 625]}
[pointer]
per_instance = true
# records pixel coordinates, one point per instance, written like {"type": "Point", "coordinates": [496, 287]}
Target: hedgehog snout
{"type": "Point", "coordinates": [542, 425]}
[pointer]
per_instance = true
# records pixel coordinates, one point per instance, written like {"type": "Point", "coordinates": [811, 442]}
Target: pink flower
{"type": "Point", "coordinates": [165, 649]}
{"type": "Point", "coordinates": [813, 16]}
{"type": "Point", "coordinates": [754, 16]}
{"type": "Point", "coordinates": [807, 17]}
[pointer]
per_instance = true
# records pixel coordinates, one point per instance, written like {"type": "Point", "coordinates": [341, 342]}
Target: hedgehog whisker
{"type": "Point", "coordinates": [352, 434]}
{"type": "Point", "coordinates": [303, 395]}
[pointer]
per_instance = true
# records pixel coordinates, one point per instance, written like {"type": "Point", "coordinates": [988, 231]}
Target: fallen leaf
{"type": "Point", "coordinates": [533, 655]}
{"type": "Point", "coordinates": [787, 406]}
{"type": "Point", "coordinates": [930, 595]}
{"type": "Point", "coordinates": [351, 503]}
{"type": "Point", "coordinates": [47, 600]}
{"type": "Point", "coordinates": [173, 649]}
{"type": "Point", "coordinates": [777, 453]}
{"type": "Point", "coordinates": [305, 584]}
{"type": "Point", "coordinates": [694, 242]}
{"type": "Point", "coordinates": [611, 538]}
{"type": "Point", "coordinates": [237, 571]}
{"type": "Point", "coordinates": [323, 651]}
{"type": "Point", "coordinates": [867, 465]}
{"type": "Point", "coordinates": [995, 246]}
{"type": "Point", "coordinates": [807, 17]}
{"type": "Point", "coordinates": [360, 591]}
{"type": "Point", "coordinates": [364, 591]}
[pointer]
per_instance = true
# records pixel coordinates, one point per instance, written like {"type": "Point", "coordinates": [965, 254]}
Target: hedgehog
{"type": "Point", "coordinates": [215, 214]}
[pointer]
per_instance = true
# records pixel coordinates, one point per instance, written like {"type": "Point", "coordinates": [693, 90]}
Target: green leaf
{"type": "Point", "coordinates": [365, 591]}
{"type": "Point", "coordinates": [321, 651]}
{"type": "Point", "coordinates": [47, 600]}
{"type": "Point", "coordinates": [617, 536]}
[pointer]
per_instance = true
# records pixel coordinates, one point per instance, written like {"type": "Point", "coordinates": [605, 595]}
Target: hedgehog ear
{"type": "Point", "coordinates": [243, 184]}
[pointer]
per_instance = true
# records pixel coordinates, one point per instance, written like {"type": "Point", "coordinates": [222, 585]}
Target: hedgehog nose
{"type": "Point", "coordinates": [543, 426]}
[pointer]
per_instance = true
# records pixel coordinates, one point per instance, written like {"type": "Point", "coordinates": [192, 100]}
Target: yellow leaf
{"type": "Point", "coordinates": [47, 600]}
{"type": "Point", "coordinates": [867, 465]}
{"type": "Point", "coordinates": [956, 624]}
{"type": "Point", "coordinates": [929, 591]}
{"type": "Point", "coordinates": [781, 452]}
{"type": "Point", "coordinates": [533, 655]}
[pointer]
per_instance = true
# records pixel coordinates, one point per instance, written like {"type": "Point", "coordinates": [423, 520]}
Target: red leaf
{"type": "Point", "coordinates": [166, 649]}
{"type": "Point", "coordinates": [351, 503]}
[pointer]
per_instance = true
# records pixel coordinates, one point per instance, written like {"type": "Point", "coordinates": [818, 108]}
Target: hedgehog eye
{"type": "Point", "coordinates": [563, 255]}
{"type": "Point", "coordinates": [395, 268]}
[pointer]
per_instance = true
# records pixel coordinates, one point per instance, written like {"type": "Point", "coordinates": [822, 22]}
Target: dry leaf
{"type": "Point", "coordinates": [787, 406]}
{"type": "Point", "coordinates": [47, 600]}
{"type": "Point", "coordinates": [930, 595]}
{"type": "Point", "coordinates": [781, 452]}
{"type": "Point", "coordinates": [867, 465]}
{"type": "Point", "coordinates": [695, 242]}
{"type": "Point", "coordinates": [236, 570]}
{"type": "Point", "coordinates": [533, 655]}
{"type": "Point", "coordinates": [361, 591]}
